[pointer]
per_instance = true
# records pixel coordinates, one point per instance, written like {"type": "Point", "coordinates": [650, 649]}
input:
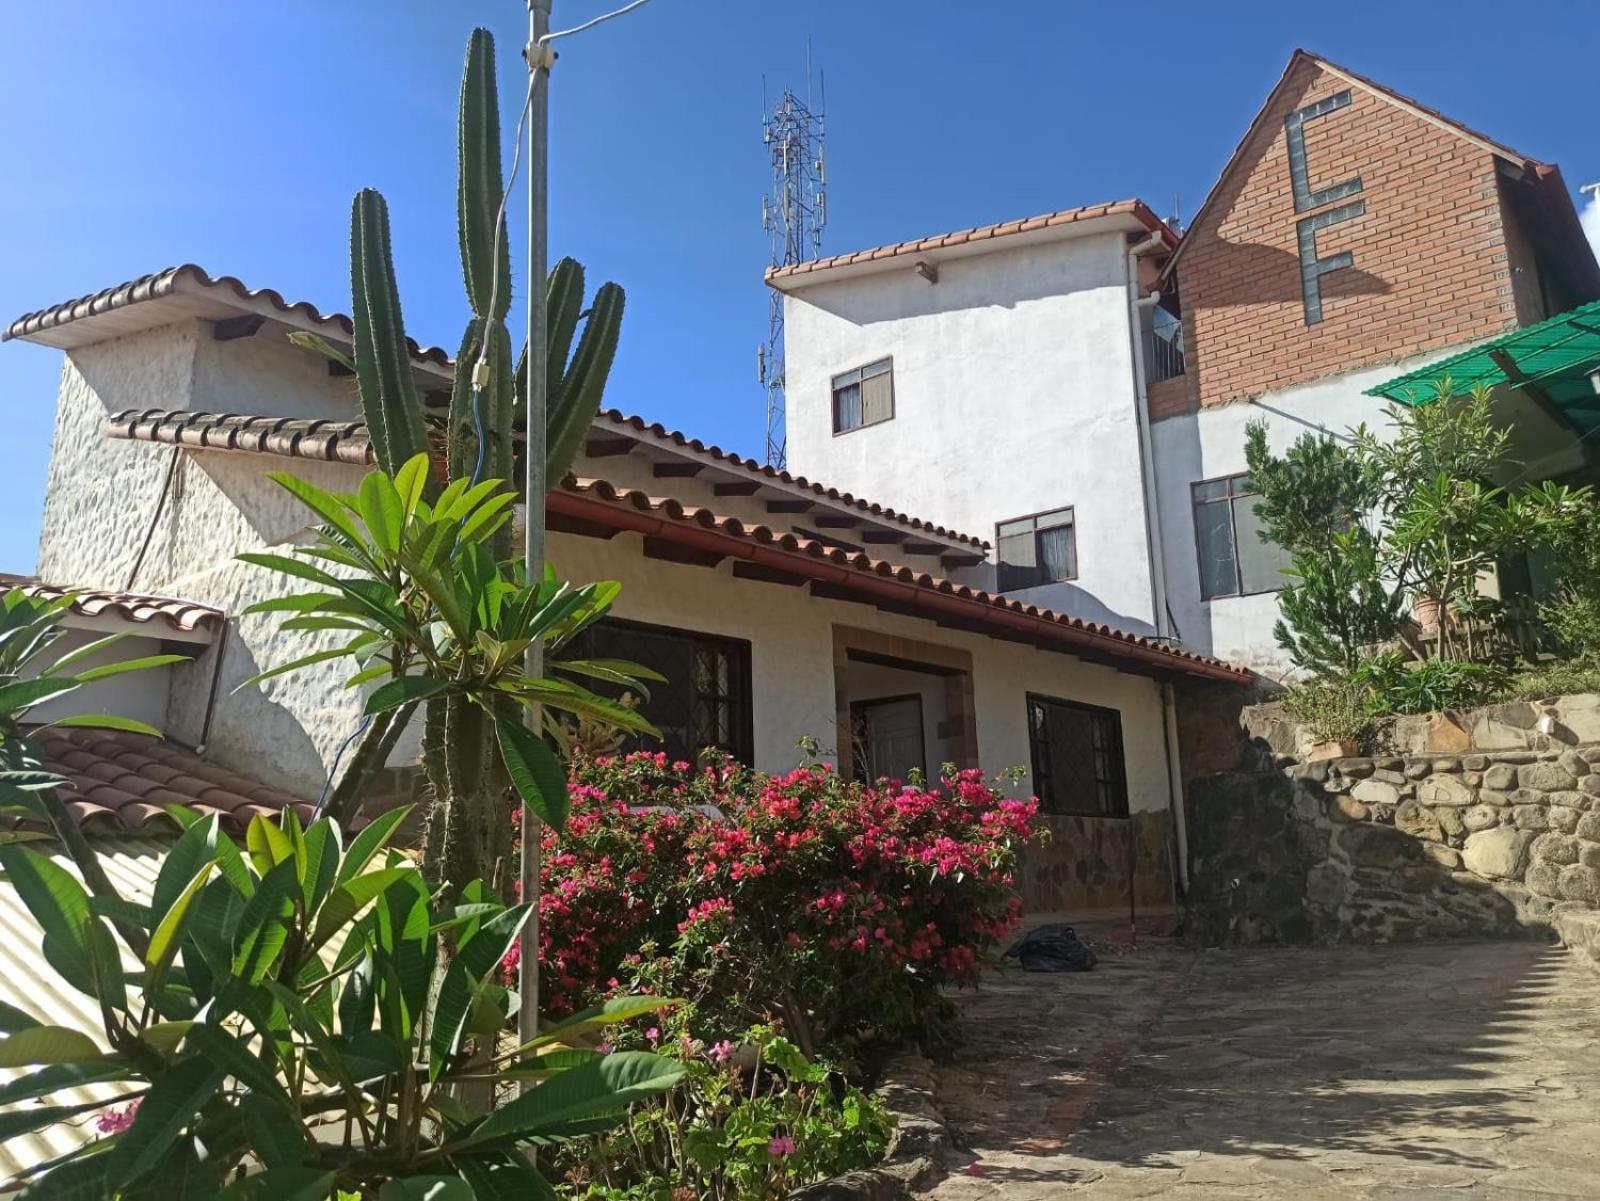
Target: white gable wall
{"type": "Point", "coordinates": [1014, 394]}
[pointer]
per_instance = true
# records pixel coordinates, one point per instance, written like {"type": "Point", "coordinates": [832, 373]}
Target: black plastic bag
{"type": "Point", "coordinates": [1053, 948]}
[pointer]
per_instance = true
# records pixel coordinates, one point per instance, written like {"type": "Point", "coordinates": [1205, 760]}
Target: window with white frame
{"type": "Point", "coordinates": [1040, 549]}
{"type": "Point", "coordinates": [1235, 557]}
{"type": "Point", "coordinates": [864, 396]}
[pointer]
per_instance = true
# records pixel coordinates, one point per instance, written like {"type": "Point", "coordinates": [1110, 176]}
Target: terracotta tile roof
{"type": "Point", "coordinates": [181, 615]}
{"type": "Point", "coordinates": [295, 437]}
{"type": "Point", "coordinates": [729, 459]}
{"type": "Point", "coordinates": [601, 501]}
{"type": "Point", "coordinates": [122, 782]}
{"type": "Point", "coordinates": [207, 295]}
{"type": "Point", "coordinates": [980, 233]}
{"type": "Point", "coordinates": [347, 442]}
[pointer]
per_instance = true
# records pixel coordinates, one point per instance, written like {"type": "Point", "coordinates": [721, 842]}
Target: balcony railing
{"type": "Point", "coordinates": [1163, 353]}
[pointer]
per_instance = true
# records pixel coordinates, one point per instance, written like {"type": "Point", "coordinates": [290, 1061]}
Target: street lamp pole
{"type": "Point", "coordinates": [539, 56]}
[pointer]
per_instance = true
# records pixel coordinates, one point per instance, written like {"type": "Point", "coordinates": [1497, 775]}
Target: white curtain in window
{"type": "Point", "coordinates": [1057, 553]}
{"type": "Point", "coordinates": [847, 406]}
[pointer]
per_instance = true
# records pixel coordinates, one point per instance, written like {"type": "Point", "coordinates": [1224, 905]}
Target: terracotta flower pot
{"type": "Point", "coordinates": [1427, 610]}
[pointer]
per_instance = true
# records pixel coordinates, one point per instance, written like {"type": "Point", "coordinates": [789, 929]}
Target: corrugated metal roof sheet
{"type": "Point", "coordinates": [28, 982]}
{"type": "Point", "coordinates": [1558, 356]}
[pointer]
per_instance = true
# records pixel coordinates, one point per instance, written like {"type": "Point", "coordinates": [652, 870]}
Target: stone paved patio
{"type": "Point", "coordinates": [1407, 1072]}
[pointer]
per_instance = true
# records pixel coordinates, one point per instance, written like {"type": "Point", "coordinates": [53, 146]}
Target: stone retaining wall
{"type": "Point", "coordinates": [1481, 843]}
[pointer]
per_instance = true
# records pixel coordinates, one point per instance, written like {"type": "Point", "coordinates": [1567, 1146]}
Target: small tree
{"type": "Point", "coordinates": [1377, 520]}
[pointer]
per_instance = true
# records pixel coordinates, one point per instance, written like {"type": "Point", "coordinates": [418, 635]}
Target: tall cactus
{"type": "Point", "coordinates": [467, 831]}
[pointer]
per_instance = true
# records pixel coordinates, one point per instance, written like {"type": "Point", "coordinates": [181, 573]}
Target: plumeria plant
{"type": "Point", "coordinates": [288, 1028]}
{"type": "Point", "coordinates": [427, 615]}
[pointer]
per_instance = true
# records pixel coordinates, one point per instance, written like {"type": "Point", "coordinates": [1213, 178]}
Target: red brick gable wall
{"type": "Point", "coordinates": [1430, 265]}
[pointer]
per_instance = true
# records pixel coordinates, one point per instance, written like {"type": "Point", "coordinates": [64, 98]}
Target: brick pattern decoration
{"type": "Point", "coordinates": [1430, 250]}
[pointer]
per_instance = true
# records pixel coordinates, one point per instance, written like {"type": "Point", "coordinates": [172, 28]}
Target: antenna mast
{"type": "Point", "coordinates": [793, 213]}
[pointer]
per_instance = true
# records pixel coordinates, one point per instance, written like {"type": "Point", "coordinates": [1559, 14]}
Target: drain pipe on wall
{"type": "Point", "coordinates": [1155, 548]}
{"type": "Point", "coordinates": [1137, 305]}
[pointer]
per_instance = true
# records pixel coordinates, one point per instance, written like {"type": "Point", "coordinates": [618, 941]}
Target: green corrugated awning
{"type": "Point", "coordinates": [1557, 358]}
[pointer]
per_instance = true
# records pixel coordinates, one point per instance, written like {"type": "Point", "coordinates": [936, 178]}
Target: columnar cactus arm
{"type": "Point", "coordinates": [575, 399]}
{"type": "Point", "coordinates": [389, 400]}
{"type": "Point", "coordinates": [485, 247]}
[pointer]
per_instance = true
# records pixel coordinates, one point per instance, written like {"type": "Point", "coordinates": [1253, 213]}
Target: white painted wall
{"type": "Point", "coordinates": [141, 695]}
{"type": "Point", "coordinates": [103, 493]}
{"type": "Point", "coordinates": [1210, 444]}
{"type": "Point", "coordinates": [791, 660]}
{"type": "Point", "coordinates": [286, 730]}
{"type": "Point", "coordinates": [1014, 394]}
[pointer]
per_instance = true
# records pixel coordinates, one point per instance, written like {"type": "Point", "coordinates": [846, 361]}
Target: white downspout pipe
{"type": "Point", "coordinates": [1155, 548]}
{"type": "Point", "coordinates": [1141, 401]}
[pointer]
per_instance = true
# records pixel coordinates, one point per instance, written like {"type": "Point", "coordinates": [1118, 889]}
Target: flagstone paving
{"type": "Point", "coordinates": [1405, 1072]}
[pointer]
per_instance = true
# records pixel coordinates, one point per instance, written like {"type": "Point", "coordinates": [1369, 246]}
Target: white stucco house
{"type": "Point", "coordinates": [777, 607]}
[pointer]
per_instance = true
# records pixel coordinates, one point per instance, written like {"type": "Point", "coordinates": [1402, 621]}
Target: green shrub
{"type": "Point", "coordinates": [752, 1118]}
{"type": "Point", "coordinates": [1336, 708]}
{"type": "Point", "coordinates": [1552, 679]}
{"type": "Point", "coordinates": [1573, 618]}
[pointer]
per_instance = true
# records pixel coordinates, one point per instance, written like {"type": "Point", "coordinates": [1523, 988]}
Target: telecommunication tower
{"type": "Point", "coordinates": [793, 213]}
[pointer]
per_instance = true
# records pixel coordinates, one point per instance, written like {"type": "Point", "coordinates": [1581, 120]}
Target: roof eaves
{"type": "Point", "coordinates": [348, 442]}
{"type": "Point", "coordinates": [190, 278]}
{"type": "Point", "coordinates": [996, 609]}
{"type": "Point", "coordinates": [181, 616]}
{"type": "Point", "coordinates": [1134, 207]}
{"type": "Point", "coordinates": [724, 458]}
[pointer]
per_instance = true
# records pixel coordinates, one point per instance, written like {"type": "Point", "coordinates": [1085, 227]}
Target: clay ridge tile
{"type": "Point", "coordinates": [171, 280]}
{"type": "Point", "coordinates": [182, 615]}
{"type": "Point", "coordinates": [1135, 208]}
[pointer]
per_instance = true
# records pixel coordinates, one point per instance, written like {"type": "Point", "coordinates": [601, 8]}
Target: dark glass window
{"type": "Point", "coordinates": [1235, 557]}
{"type": "Point", "coordinates": [1077, 758]}
{"type": "Point", "coordinates": [705, 701]}
{"type": "Point", "coordinates": [1037, 550]}
{"type": "Point", "coordinates": [864, 396]}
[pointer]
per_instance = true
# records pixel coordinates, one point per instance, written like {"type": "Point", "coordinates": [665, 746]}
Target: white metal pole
{"type": "Point", "coordinates": [534, 483]}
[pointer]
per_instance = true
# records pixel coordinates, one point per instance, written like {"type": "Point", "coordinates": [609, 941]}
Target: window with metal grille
{"type": "Point", "coordinates": [864, 396]}
{"type": "Point", "coordinates": [1040, 549]}
{"type": "Point", "coordinates": [1077, 758]}
{"type": "Point", "coordinates": [705, 700]}
{"type": "Point", "coordinates": [1235, 557]}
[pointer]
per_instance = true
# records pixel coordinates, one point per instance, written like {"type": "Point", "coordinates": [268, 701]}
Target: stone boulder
{"type": "Point", "coordinates": [1497, 854]}
{"type": "Point", "coordinates": [1555, 848]}
{"type": "Point", "coordinates": [1579, 883]}
{"type": "Point", "coordinates": [1376, 792]}
{"type": "Point", "coordinates": [1480, 817]}
{"type": "Point", "coordinates": [1418, 821]}
{"type": "Point", "coordinates": [1445, 790]}
{"type": "Point", "coordinates": [1546, 777]}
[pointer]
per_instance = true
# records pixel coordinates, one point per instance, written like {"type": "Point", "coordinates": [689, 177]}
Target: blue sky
{"type": "Point", "coordinates": [233, 135]}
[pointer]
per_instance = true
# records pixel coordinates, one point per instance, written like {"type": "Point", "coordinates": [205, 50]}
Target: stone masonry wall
{"type": "Point", "coordinates": [1422, 845]}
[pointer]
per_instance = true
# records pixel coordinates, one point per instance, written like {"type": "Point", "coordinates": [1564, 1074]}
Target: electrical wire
{"type": "Point", "coordinates": [600, 20]}
{"type": "Point", "coordinates": [333, 768]}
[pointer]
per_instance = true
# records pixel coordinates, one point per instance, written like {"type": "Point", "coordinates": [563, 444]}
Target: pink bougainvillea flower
{"type": "Point", "coordinates": [721, 1052]}
{"type": "Point", "coordinates": [781, 1145]}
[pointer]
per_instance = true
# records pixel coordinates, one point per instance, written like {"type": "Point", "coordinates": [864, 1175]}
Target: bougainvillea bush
{"type": "Point", "coordinates": [836, 909]}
